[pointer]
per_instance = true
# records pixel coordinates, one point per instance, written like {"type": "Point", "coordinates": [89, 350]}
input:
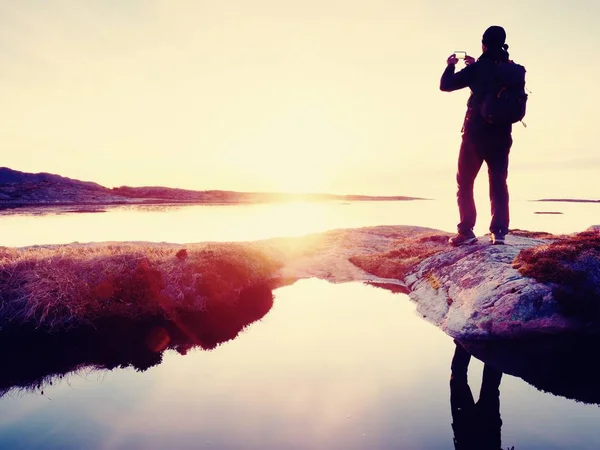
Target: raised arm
{"type": "Point", "coordinates": [453, 81]}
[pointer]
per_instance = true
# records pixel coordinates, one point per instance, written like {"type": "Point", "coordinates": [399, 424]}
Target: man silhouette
{"type": "Point", "coordinates": [481, 141]}
{"type": "Point", "coordinates": [476, 426]}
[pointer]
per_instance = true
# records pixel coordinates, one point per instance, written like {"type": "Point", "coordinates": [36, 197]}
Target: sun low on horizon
{"type": "Point", "coordinates": [317, 96]}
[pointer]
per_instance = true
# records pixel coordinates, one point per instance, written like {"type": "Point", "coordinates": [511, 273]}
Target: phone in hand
{"type": "Point", "coordinates": [460, 54]}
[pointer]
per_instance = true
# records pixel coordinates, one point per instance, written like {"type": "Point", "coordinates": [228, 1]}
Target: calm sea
{"type": "Point", "coordinates": [345, 366]}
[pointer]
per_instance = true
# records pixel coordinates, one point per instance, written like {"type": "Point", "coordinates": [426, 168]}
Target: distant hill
{"type": "Point", "coordinates": [32, 189]}
{"type": "Point", "coordinates": [23, 189]}
{"type": "Point", "coordinates": [9, 176]}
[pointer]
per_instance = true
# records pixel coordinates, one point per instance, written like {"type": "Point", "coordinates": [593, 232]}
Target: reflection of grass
{"type": "Point", "coordinates": [32, 359]}
{"type": "Point", "coordinates": [573, 263]}
{"type": "Point", "coordinates": [64, 286]}
{"type": "Point", "coordinates": [102, 306]}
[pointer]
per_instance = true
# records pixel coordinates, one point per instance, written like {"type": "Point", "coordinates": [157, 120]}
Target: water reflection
{"type": "Point", "coordinates": [476, 425]}
{"type": "Point", "coordinates": [561, 365]}
{"type": "Point", "coordinates": [564, 366]}
{"type": "Point", "coordinates": [34, 359]}
{"type": "Point", "coordinates": [343, 366]}
{"type": "Point", "coordinates": [180, 224]}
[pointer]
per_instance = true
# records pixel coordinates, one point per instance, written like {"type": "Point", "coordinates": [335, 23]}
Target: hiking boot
{"type": "Point", "coordinates": [497, 238]}
{"type": "Point", "coordinates": [463, 239]}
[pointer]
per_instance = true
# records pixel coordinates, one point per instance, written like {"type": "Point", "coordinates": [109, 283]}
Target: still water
{"type": "Point", "coordinates": [328, 366]}
{"type": "Point", "coordinates": [184, 224]}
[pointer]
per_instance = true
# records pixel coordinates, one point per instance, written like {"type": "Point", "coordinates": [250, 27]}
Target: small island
{"type": "Point", "coordinates": [568, 200]}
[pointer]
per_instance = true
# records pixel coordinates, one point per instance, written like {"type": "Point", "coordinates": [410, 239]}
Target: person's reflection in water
{"type": "Point", "coordinates": [475, 425]}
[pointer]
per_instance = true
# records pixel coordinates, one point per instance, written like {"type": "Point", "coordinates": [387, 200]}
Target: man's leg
{"type": "Point", "coordinates": [469, 163]}
{"type": "Point", "coordinates": [488, 409]}
{"type": "Point", "coordinates": [497, 161]}
{"type": "Point", "coordinates": [460, 363]}
{"type": "Point", "coordinates": [462, 405]}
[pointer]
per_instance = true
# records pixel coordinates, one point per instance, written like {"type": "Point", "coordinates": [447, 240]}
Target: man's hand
{"type": "Point", "coordinates": [452, 60]}
{"type": "Point", "coordinates": [469, 60]}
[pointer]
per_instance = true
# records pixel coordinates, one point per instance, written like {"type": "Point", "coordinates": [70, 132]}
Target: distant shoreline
{"type": "Point", "coordinates": [567, 200]}
{"type": "Point", "coordinates": [94, 206]}
{"type": "Point", "coordinates": [27, 190]}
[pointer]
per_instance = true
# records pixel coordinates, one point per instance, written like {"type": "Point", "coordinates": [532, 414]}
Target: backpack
{"type": "Point", "coordinates": [505, 99]}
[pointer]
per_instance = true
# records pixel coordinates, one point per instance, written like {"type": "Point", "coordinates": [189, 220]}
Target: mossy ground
{"type": "Point", "coordinates": [572, 264]}
{"type": "Point", "coordinates": [407, 252]}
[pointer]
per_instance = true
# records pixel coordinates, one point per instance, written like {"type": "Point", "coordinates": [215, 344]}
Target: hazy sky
{"type": "Point", "coordinates": [312, 95]}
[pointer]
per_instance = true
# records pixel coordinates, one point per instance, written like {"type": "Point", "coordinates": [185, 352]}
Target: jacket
{"type": "Point", "coordinates": [475, 77]}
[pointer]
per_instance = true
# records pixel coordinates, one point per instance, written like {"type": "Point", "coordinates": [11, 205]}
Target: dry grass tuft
{"type": "Point", "coordinates": [409, 250]}
{"type": "Point", "coordinates": [573, 263]}
{"type": "Point", "coordinates": [62, 286]}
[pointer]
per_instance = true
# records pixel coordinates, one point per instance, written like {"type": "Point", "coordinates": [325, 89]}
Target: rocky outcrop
{"type": "Point", "coordinates": [537, 284]}
{"type": "Point", "coordinates": [476, 292]}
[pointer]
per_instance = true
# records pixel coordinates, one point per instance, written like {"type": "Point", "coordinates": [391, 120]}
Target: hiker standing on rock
{"type": "Point", "coordinates": [497, 101]}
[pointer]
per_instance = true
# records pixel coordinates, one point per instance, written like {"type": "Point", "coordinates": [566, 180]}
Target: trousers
{"type": "Point", "coordinates": [493, 148]}
{"type": "Point", "coordinates": [476, 425]}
